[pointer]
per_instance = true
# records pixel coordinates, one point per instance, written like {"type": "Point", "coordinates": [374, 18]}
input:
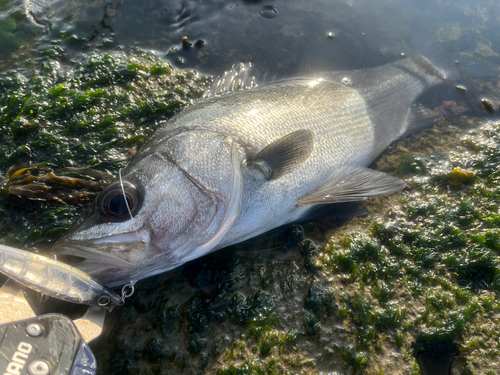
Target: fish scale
{"type": "Point", "coordinates": [237, 165]}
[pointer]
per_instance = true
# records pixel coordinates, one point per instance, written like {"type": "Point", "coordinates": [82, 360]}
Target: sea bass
{"type": "Point", "coordinates": [237, 165]}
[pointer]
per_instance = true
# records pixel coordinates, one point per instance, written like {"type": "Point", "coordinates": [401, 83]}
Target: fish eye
{"type": "Point", "coordinates": [114, 205]}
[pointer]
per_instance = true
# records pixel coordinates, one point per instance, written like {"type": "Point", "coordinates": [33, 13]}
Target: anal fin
{"type": "Point", "coordinates": [419, 118]}
{"type": "Point", "coordinates": [352, 183]}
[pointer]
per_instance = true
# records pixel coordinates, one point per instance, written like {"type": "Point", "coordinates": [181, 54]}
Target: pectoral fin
{"type": "Point", "coordinates": [284, 154]}
{"type": "Point", "coordinates": [353, 183]}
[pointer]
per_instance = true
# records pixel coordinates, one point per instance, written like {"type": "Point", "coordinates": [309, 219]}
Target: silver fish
{"type": "Point", "coordinates": [55, 279]}
{"type": "Point", "coordinates": [237, 165]}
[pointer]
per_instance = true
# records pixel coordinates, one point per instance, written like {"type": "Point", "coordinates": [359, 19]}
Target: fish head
{"type": "Point", "coordinates": [172, 205]}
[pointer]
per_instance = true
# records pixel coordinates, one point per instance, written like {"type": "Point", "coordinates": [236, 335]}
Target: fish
{"type": "Point", "coordinates": [236, 165]}
{"type": "Point", "coordinates": [55, 279]}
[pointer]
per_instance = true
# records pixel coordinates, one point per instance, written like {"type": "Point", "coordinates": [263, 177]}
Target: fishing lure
{"type": "Point", "coordinates": [56, 279]}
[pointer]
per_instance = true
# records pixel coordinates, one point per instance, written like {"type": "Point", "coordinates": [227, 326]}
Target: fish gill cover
{"type": "Point", "coordinates": [376, 295]}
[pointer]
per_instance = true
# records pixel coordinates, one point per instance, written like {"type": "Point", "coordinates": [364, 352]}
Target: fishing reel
{"type": "Point", "coordinates": [47, 344]}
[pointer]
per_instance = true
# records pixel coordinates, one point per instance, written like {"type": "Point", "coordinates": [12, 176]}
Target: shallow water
{"type": "Point", "coordinates": [281, 304]}
{"type": "Point", "coordinates": [279, 37]}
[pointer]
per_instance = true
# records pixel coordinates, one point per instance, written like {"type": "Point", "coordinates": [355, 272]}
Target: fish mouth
{"type": "Point", "coordinates": [122, 251]}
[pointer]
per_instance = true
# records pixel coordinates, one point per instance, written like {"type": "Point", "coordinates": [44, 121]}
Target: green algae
{"type": "Point", "coordinates": [419, 275]}
{"type": "Point", "coordinates": [103, 94]}
{"type": "Point", "coordinates": [217, 312]}
{"type": "Point", "coordinates": [286, 313]}
{"type": "Point", "coordinates": [357, 360]}
{"type": "Point", "coordinates": [92, 113]}
{"type": "Point", "coordinates": [420, 270]}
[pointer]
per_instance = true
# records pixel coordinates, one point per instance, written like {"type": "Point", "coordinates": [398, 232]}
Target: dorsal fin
{"type": "Point", "coordinates": [239, 77]}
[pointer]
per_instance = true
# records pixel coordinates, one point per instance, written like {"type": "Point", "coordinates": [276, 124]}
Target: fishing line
{"type": "Point", "coordinates": [123, 191]}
